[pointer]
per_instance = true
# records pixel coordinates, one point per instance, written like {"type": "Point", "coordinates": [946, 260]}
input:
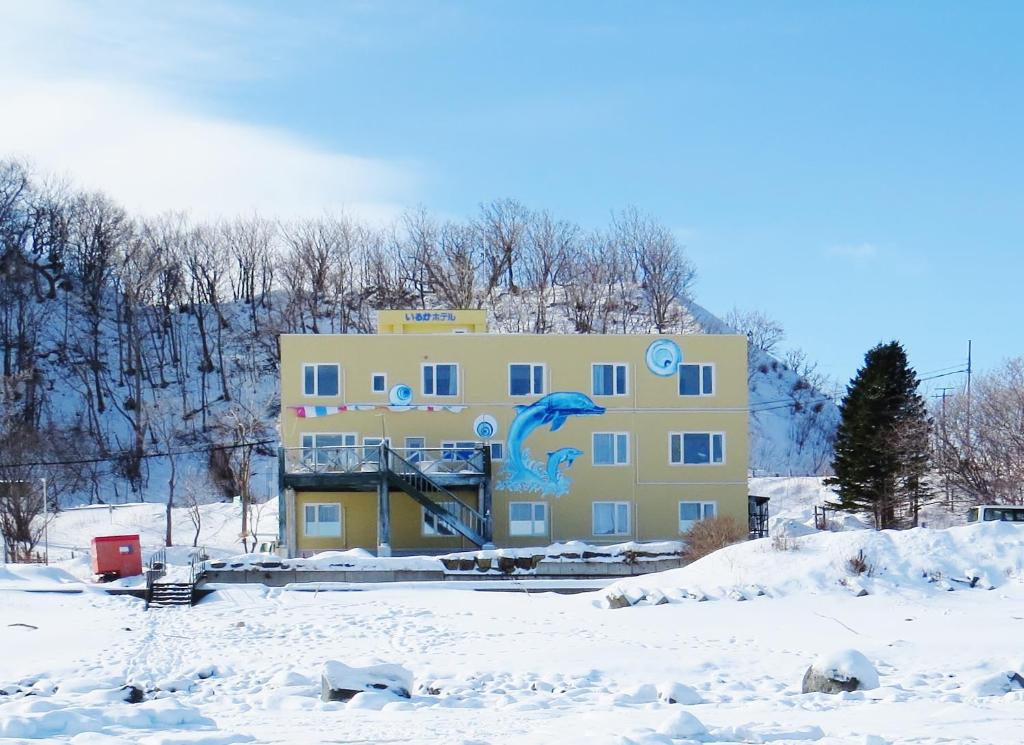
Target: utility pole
{"type": "Point", "coordinates": [969, 391]}
{"type": "Point", "coordinates": [942, 427]}
{"type": "Point", "coordinates": [46, 524]}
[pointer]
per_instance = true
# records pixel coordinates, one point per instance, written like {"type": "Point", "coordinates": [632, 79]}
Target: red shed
{"type": "Point", "coordinates": [115, 556]}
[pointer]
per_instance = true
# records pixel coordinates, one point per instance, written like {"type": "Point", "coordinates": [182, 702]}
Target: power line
{"type": "Point", "coordinates": [108, 458]}
{"type": "Point", "coordinates": [944, 375]}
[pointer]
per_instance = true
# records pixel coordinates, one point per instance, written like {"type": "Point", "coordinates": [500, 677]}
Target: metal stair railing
{"type": "Point", "coordinates": [197, 565]}
{"type": "Point", "coordinates": [468, 522]}
{"type": "Point", "coordinates": [156, 567]}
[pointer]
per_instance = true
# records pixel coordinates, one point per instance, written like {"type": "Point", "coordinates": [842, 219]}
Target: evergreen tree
{"type": "Point", "coordinates": [882, 447]}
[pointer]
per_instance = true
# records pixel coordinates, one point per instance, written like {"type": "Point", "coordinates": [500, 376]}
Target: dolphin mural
{"type": "Point", "coordinates": [522, 473]}
{"type": "Point", "coordinates": [556, 458]}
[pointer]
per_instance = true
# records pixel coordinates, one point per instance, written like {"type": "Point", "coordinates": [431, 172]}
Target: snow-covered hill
{"type": "Point", "coordinates": [791, 424]}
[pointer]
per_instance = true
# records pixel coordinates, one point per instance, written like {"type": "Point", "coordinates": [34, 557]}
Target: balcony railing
{"type": "Point", "coordinates": [353, 459]}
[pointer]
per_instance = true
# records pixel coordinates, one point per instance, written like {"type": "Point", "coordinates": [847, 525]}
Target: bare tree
{"type": "Point", "coordinates": [663, 270]}
{"type": "Point", "coordinates": [589, 288]}
{"type": "Point", "coordinates": [980, 445]}
{"type": "Point", "coordinates": [501, 226]}
{"type": "Point", "coordinates": [548, 245]}
{"type": "Point", "coordinates": [452, 269]}
{"type": "Point", "coordinates": [242, 427]}
{"type": "Point", "coordinates": [763, 332]}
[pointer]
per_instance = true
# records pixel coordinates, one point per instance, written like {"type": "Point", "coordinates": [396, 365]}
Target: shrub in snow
{"type": "Point", "coordinates": [845, 670]}
{"type": "Point", "coordinates": [707, 536]}
{"type": "Point", "coordinates": [858, 564]}
{"type": "Point", "coordinates": [682, 724]}
{"type": "Point", "coordinates": [339, 682]}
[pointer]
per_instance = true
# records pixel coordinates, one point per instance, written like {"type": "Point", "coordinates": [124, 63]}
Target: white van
{"type": "Point", "coordinates": [990, 512]}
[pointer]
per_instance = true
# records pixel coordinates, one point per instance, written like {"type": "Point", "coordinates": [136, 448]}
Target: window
{"type": "Point", "coordinates": [371, 448]}
{"type": "Point", "coordinates": [696, 448]}
{"type": "Point", "coordinates": [691, 512]}
{"type": "Point", "coordinates": [441, 380]}
{"type": "Point", "coordinates": [379, 382]}
{"type": "Point", "coordinates": [320, 379]}
{"type": "Point", "coordinates": [330, 449]}
{"type": "Point", "coordinates": [526, 379]}
{"type": "Point", "coordinates": [414, 447]}
{"type": "Point", "coordinates": [609, 379]}
{"type": "Point", "coordinates": [323, 520]}
{"type": "Point", "coordinates": [527, 518]}
{"type": "Point", "coordinates": [611, 518]}
{"type": "Point", "coordinates": [463, 454]}
{"type": "Point", "coordinates": [497, 450]}
{"type": "Point", "coordinates": [696, 380]}
{"type": "Point", "coordinates": [611, 448]}
{"type": "Point", "coordinates": [434, 526]}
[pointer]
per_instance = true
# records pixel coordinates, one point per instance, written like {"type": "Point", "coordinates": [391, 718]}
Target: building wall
{"type": "Point", "coordinates": [648, 412]}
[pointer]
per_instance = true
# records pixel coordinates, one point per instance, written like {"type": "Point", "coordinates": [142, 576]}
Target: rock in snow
{"type": "Point", "coordinates": [678, 693]}
{"type": "Point", "coordinates": [682, 724]}
{"type": "Point", "coordinates": [844, 670]}
{"type": "Point", "coordinates": [997, 685]}
{"type": "Point", "coordinates": [339, 682]}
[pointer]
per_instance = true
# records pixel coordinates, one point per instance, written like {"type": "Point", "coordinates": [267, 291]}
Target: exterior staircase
{"type": "Point", "coordinates": [438, 500]}
{"type": "Point", "coordinates": [170, 594]}
{"type": "Point", "coordinates": [178, 589]}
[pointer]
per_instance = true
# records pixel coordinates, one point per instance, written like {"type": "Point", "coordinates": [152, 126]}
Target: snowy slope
{"type": "Point", "coordinates": [791, 424]}
{"type": "Point", "coordinates": [920, 561]}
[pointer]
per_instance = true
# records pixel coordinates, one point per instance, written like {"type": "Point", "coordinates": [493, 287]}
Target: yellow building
{"type": "Point", "coordinates": [435, 435]}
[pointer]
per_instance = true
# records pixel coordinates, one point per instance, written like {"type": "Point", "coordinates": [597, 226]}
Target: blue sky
{"type": "Point", "coordinates": [852, 169]}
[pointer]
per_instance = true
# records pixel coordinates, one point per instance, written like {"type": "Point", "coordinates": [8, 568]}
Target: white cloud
{"type": "Point", "coordinates": [152, 156]}
{"type": "Point", "coordinates": [87, 93]}
{"type": "Point", "coordinates": [853, 251]}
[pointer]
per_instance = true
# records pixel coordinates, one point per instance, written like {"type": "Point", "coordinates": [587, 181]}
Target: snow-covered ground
{"type": "Point", "coordinates": [244, 665]}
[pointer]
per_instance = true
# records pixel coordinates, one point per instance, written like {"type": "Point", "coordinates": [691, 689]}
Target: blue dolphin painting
{"type": "Point", "coordinates": [557, 457]}
{"type": "Point", "coordinates": [524, 474]}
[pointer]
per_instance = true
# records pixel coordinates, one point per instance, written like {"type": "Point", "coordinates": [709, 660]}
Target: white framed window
{"type": "Point", "coordinates": [527, 518]}
{"type": "Point", "coordinates": [611, 448]}
{"type": "Point", "coordinates": [696, 448]}
{"type": "Point", "coordinates": [497, 450]}
{"type": "Point", "coordinates": [434, 526]}
{"type": "Point", "coordinates": [414, 447]}
{"type": "Point", "coordinates": [331, 449]}
{"type": "Point", "coordinates": [379, 382]}
{"type": "Point", "coordinates": [441, 379]}
{"type": "Point", "coordinates": [611, 518]}
{"type": "Point", "coordinates": [371, 448]}
{"type": "Point", "coordinates": [692, 512]}
{"type": "Point", "coordinates": [610, 379]}
{"type": "Point", "coordinates": [462, 453]}
{"type": "Point", "coordinates": [527, 379]}
{"type": "Point", "coordinates": [322, 520]}
{"type": "Point", "coordinates": [321, 379]}
{"type": "Point", "coordinates": [696, 379]}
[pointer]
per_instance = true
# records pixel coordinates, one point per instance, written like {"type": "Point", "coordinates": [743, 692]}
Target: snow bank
{"type": "Point", "coordinates": [356, 559]}
{"type": "Point", "coordinates": [37, 578]}
{"type": "Point", "coordinates": [981, 555]}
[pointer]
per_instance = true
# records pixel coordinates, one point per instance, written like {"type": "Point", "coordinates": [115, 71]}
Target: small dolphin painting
{"type": "Point", "coordinates": [557, 457]}
{"type": "Point", "coordinates": [522, 473]}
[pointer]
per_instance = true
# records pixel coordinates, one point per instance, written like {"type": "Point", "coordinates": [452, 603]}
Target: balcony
{"type": "Point", "coordinates": [359, 467]}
